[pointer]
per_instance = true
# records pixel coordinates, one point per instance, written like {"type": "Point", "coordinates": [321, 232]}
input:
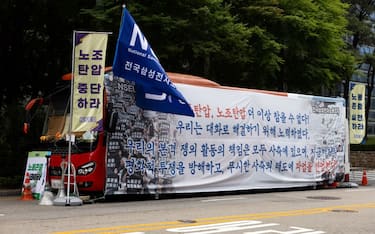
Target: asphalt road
{"type": "Point", "coordinates": [340, 210]}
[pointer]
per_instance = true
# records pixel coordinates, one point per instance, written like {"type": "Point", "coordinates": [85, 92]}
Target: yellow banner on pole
{"type": "Point", "coordinates": [357, 120]}
{"type": "Point", "coordinates": [88, 80]}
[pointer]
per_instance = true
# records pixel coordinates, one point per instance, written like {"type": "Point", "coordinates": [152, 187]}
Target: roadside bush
{"type": "Point", "coordinates": [11, 182]}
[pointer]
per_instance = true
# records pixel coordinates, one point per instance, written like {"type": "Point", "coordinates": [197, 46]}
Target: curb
{"type": "Point", "coordinates": [17, 192]}
{"type": "Point", "coordinates": [10, 192]}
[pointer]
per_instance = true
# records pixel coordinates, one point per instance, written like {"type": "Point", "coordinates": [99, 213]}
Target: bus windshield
{"type": "Point", "coordinates": [55, 134]}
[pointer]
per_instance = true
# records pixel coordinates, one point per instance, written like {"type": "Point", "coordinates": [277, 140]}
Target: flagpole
{"type": "Point", "coordinates": [72, 200]}
{"type": "Point", "coordinates": [70, 119]}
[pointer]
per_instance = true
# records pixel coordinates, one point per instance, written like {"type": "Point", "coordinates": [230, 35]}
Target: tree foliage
{"type": "Point", "coordinates": [362, 38]}
{"type": "Point", "coordinates": [307, 49]}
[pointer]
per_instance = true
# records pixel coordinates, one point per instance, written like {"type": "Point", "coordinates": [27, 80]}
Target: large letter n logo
{"type": "Point", "coordinates": [137, 32]}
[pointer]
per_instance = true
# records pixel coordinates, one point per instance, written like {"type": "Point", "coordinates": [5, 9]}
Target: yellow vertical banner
{"type": "Point", "coordinates": [357, 120]}
{"type": "Point", "coordinates": [88, 80]}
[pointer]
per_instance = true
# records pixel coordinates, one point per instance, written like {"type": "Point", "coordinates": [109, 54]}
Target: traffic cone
{"type": "Point", "coordinates": [27, 194]}
{"type": "Point", "coordinates": [364, 177]}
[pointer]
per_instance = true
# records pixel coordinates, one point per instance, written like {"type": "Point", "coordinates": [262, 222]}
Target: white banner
{"type": "Point", "coordinates": [238, 140]}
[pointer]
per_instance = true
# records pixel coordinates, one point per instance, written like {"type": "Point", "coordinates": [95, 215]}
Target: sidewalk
{"type": "Point", "coordinates": [355, 176]}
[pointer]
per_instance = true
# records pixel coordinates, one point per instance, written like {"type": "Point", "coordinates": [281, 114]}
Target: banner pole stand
{"type": "Point", "coordinates": [68, 200]}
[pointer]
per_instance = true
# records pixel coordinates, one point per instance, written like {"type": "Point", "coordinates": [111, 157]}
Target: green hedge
{"type": "Point", "coordinates": [11, 182]}
{"type": "Point", "coordinates": [368, 146]}
{"type": "Point", "coordinates": [362, 147]}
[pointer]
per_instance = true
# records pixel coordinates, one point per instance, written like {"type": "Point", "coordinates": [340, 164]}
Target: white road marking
{"type": "Point", "coordinates": [222, 227]}
{"type": "Point", "coordinates": [295, 231]}
{"type": "Point", "coordinates": [132, 233]}
{"type": "Point", "coordinates": [241, 225]}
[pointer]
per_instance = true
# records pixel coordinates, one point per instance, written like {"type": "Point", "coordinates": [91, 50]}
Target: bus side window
{"type": "Point", "coordinates": [57, 125]}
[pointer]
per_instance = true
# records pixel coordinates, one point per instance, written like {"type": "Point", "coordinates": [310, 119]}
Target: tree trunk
{"type": "Point", "coordinates": [370, 88]}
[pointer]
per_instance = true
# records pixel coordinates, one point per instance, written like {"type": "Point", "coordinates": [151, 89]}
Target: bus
{"type": "Point", "coordinates": [239, 140]}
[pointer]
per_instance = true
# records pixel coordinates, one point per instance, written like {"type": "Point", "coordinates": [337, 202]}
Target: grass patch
{"type": "Point", "coordinates": [370, 140]}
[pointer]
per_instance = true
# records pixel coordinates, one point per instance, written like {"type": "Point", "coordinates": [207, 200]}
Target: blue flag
{"type": "Point", "coordinates": [136, 61]}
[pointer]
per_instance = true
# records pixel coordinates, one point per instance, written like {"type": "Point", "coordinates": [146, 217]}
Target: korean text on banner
{"type": "Point", "coordinates": [357, 121]}
{"type": "Point", "coordinates": [136, 61]}
{"type": "Point", "coordinates": [89, 66]}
